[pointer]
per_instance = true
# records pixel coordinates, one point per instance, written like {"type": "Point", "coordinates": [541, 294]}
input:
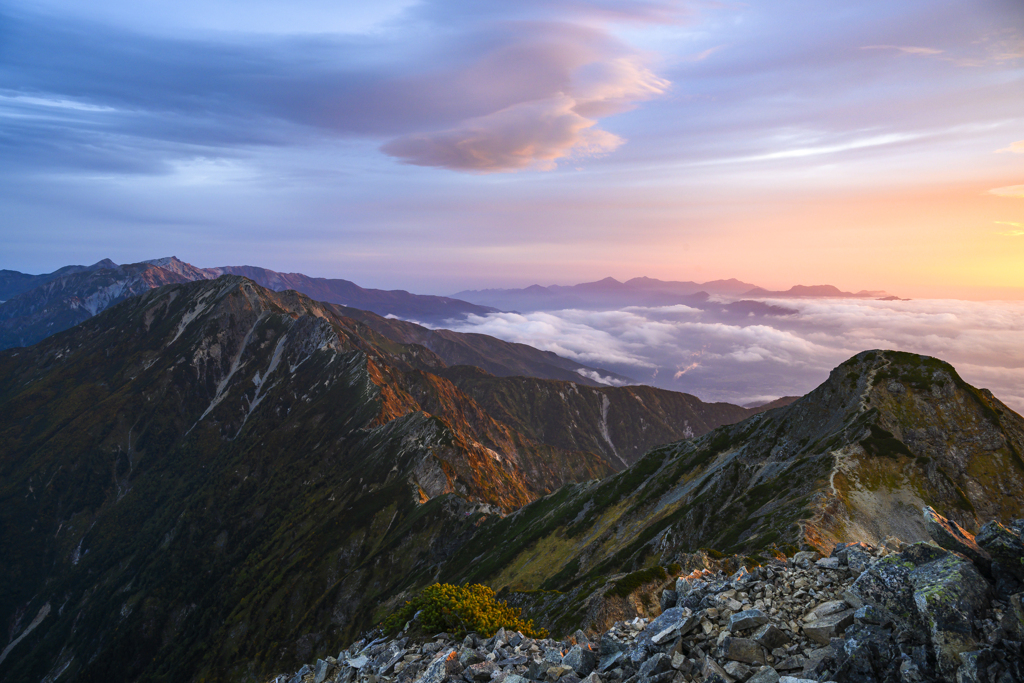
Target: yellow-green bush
{"type": "Point", "coordinates": [459, 610]}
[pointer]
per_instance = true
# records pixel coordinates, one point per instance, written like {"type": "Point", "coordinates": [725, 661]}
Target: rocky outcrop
{"type": "Point", "coordinates": [914, 613]}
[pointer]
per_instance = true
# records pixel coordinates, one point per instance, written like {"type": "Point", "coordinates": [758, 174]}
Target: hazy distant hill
{"type": "Point", "coordinates": [13, 283]}
{"type": "Point", "coordinates": [609, 293]}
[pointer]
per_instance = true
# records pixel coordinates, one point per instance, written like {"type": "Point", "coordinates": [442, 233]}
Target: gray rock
{"type": "Point", "coordinates": [826, 609]}
{"type": "Point", "coordinates": [742, 650]}
{"type": "Point", "coordinates": [805, 558]}
{"type": "Point", "coordinates": [886, 584]}
{"type": "Point", "coordinates": [1014, 616]}
{"type": "Point", "coordinates": [869, 614]}
{"type": "Point", "coordinates": [591, 678]}
{"type": "Point", "coordinates": [608, 662]}
{"type": "Point", "coordinates": [683, 587]}
{"type": "Point", "coordinates": [320, 672]}
{"type": "Point", "coordinates": [867, 653]}
{"type": "Point", "coordinates": [713, 672]}
{"type": "Point", "coordinates": [442, 666]}
{"type": "Point", "coordinates": [553, 673]}
{"type": "Point", "coordinates": [678, 628]}
{"type": "Point", "coordinates": [770, 636]}
{"type": "Point", "coordinates": [825, 629]}
{"type": "Point", "coordinates": [579, 636]}
{"type": "Point", "coordinates": [669, 598]}
{"type": "Point", "coordinates": [794, 679]}
{"type": "Point", "coordinates": [738, 670]}
{"type": "Point", "coordinates": [516, 678]}
{"type": "Point", "coordinates": [950, 594]}
{"type": "Point", "coordinates": [483, 671]}
{"type": "Point", "coordinates": [974, 666]}
{"type": "Point", "coordinates": [750, 618]}
{"type": "Point", "coordinates": [952, 536]}
{"type": "Point", "coordinates": [580, 659]}
{"type": "Point", "coordinates": [609, 646]}
{"type": "Point", "coordinates": [857, 560]}
{"type": "Point", "coordinates": [765, 675]}
{"type": "Point", "coordinates": [658, 664]}
{"type": "Point", "coordinates": [1004, 546]}
{"type": "Point", "coordinates": [827, 563]}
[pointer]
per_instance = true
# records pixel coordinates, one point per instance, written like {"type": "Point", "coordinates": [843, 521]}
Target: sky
{"type": "Point", "coordinates": [442, 145]}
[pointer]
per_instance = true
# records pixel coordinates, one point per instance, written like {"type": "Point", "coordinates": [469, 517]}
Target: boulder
{"type": "Point", "coordinates": [770, 636]}
{"type": "Point", "coordinates": [805, 558]}
{"type": "Point", "coordinates": [1013, 620]}
{"type": "Point", "coordinates": [738, 670]}
{"type": "Point", "coordinates": [742, 650]}
{"type": "Point", "coordinates": [713, 672]}
{"type": "Point", "coordinates": [320, 672]}
{"type": "Point", "coordinates": [950, 594]}
{"type": "Point", "coordinates": [441, 667]}
{"type": "Point", "coordinates": [826, 609]}
{"type": "Point", "coordinates": [951, 536]}
{"type": "Point", "coordinates": [827, 563]}
{"type": "Point", "coordinates": [580, 659]}
{"type": "Point", "coordinates": [823, 630]}
{"type": "Point", "coordinates": [765, 675]}
{"type": "Point", "coordinates": [974, 666]}
{"type": "Point", "coordinates": [669, 598]}
{"type": "Point", "coordinates": [750, 618]}
{"type": "Point", "coordinates": [658, 664]}
{"type": "Point", "coordinates": [886, 584]}
{"type": "Point", "coordinates": [483, 671]}
{"type": "Point", "coordinates": [1004, 546]}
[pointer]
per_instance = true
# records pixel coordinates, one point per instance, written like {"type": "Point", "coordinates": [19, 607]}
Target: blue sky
{"type": "Point", "coordinates": [438, 146]}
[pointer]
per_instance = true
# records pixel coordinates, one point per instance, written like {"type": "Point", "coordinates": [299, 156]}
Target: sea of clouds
{"type": "Point", "coordinates": [768, 356]}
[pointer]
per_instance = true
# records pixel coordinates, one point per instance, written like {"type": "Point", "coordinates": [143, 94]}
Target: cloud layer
{"type": "Point", "coordinates": [771, 356]}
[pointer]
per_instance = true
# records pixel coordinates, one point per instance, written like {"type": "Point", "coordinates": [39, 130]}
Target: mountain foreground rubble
{"type": "Point", "coordinates": [895, 612]}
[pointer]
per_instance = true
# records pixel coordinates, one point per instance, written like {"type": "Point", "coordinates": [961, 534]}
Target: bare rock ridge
{"type": "Point", "coordinates": [211, 459]}
{"type": "Point", "coordinates": [895, 612]}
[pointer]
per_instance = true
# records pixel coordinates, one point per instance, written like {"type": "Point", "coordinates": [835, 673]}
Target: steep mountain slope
{"type": "Point", "coordinates": [494, 355]}
{"type": "Point", "coordinates": [857, 458]}
{"type": "Point", "coordinates": [212, 475]}
{"type": "Point", "coordinates": [70, 298]}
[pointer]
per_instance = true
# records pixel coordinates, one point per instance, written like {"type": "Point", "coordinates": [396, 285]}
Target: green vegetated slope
{"type": "Point", "coordinates": [856, 458]}
{"type": "Point", "coordinates": [212, 479]}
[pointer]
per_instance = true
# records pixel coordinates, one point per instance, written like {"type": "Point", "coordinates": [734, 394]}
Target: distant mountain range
{"type": "Point", "coordinates": [643, 291]}
{"type": "Point", "coordinates": [36, 306]}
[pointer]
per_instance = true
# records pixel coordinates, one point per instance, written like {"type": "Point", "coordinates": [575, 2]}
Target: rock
{"type": "Point", "coordinates": [320, 672]}
{"type": "Point", "coordinates": [713, 672]}
{"type": "Point", "coordinates": [765, 675]}
{"type": "Point", "coordinates": [826, 609]}
{"type": "Point", "coordinates": [483, 671]}
{"type": "Point", "coordinates": [857, 561]}
{"type": "Point", "coordinates": [974, 666]}
{"type": "Point", "coordinates": [886, 584]}
{"type": "Point", "coordinates": [742, 650]}
{"type": "Point", "coordinates": [579, 636]}
{"type": "Point", "coordinates": [950, 594]}
{"type": "Point", "coordinates": [678, 660]}
{"type": "Point", "coordinates": [751, 618]}
{"type": "Point", "coordinates": [805, 558]}
{"type": "Point", "coordinates": [794, 679]}
{"type": "Point", "coordinates": [669, 598]}
{"type": "Point", "coordinates": [441, 667]}
{"type": "Point", "coordinates": [683, 587]}
{"type": "Point", "coordinates": [357, 662]}
{"type": "Point", "coordinates": [770, 636]}
{"type": "Point", "coordinates": [1004, 546]}
{"type": "Point", "coordinates": [951, 536]}
{"type": "Point", "coordinates": [825, 629]}
{"type": "Point", "coordinates": [658, 664]}
{"type": "Point", "coordinates": [869, 614]}
{"type": "Point", "coordinates": [1015, 616]}
{"type": "Point", "coordinates": [591, 678]}
{"type": "Point", "coordinates": [580, 659]}
{"type": "Point", "coordinates": [791, 663]}
{"type": "Point", "coordinates": [516, 678]}
{"type": "Point", "coordinates": [827, 563]}
{"type": "Point", "coordinates": [676, 629]}
{"type": "Point", "coordinates": [553, 673]}
{"type": "Point", "coordinates": [738, 670]}
{"type": "Point", "coordinates": [607, 662]}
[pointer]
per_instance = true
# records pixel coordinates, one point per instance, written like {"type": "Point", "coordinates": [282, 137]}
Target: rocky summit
{"type": "Point", "coordinates": [893, 612]}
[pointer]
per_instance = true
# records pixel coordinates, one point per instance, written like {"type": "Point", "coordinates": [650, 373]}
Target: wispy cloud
{"type": "Point", "coordinates": [1008, 191]}
{"type": "Point", "coordinates": [910, 50]}
{"type": "Point", "coordinates": [1013, 148]}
